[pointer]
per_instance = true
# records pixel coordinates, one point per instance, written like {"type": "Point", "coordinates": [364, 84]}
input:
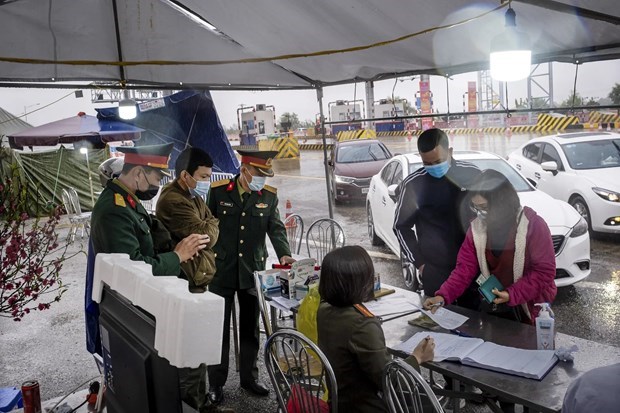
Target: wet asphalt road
{"type": "Point", "coordinates": [49, 346]}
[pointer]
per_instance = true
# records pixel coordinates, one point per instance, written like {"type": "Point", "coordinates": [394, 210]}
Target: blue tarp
{"type": "Point", "coordinates": [189, 118]}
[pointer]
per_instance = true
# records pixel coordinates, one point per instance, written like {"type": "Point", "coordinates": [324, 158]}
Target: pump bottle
{"type": "Point", "coordinates": [545, 328]}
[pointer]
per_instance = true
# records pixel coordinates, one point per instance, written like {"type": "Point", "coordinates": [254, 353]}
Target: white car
{"type": "Point", "coordinates": [580, 168]}
{"type": "Point", "coordinates": [569, 230]}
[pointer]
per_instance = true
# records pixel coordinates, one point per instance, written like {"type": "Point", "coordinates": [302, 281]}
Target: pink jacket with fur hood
{"type": "Point", "coordinates": [536, 285]}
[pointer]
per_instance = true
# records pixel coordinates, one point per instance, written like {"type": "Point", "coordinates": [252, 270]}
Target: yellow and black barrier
{"type": "Point", "coordinates": [286, 147]}
{"type": "Point", "coordinates": [314, 146]}
{"type": "Point", "coordinates": [349, 135]}
{"type": "Point", "coordinates": [548, 123]}
{"type": "Point", "coordinates": [600, 118]}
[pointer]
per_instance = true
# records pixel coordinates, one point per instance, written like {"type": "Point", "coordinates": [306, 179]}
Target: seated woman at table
{"type": "Point", "coordinates": [509, 241]}
{"type": "Point", "coordinates": [350, 336]}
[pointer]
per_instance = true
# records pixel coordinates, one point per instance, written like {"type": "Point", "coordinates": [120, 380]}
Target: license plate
{"type": "Point", "coordinates": [365, 190]}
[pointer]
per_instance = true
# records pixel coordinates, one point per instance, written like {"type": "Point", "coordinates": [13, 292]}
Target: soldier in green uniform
{"type": "Point", "coordinates": [248, 211]}
{"type": "Point", "coordinates": [119, 222]}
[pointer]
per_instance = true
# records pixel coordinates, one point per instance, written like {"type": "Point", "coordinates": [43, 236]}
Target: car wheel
{"type": "Point", "coordinates": [580, 206]}
{"type": "Point", "coordinates": [374, 239]}
{"type": "Point", "coordinates": [337, 201]}
{"type": "Point", "coordinates": [410, 274]}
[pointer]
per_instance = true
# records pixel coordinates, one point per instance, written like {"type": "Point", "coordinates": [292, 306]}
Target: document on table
{"type": "Point", "coordinates": [283, 303]}
{"type": "Point", "coordinates": [446, 318]}
{"type": "Point", "coordinates": [391, 305]}
{"type": "Point", "coordinates": [475, 352]}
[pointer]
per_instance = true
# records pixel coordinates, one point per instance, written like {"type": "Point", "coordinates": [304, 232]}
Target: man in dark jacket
{"type": "Point", "coordinates": [248, 211]}
{"type": "Point", "coordinates": [182, 210]}
{"type": "Point", "coordinates": [434, 200]}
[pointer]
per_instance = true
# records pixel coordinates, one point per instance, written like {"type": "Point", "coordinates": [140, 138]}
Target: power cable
{"type": "Point", "coordinates": [41, 108]}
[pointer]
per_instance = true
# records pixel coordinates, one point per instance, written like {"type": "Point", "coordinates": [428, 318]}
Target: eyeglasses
{"type": "Point", "coordinates": [479, 209]}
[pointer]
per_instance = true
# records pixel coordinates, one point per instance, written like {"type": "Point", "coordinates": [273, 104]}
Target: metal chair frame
{"type": "Point", "coordinates": [404, 388]}
{"type": "Point", "coordinates": [323, 236]}
{"type": "Point", "coordinates": [293, 361]}
{"type": "Point", "coordinates": [294, 225]}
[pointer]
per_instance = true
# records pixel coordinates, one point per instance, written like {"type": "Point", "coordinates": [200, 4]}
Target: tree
{"type": "Point", "coordinates": [614, 95]}
{"type": "Point", "coordinates": [289, 121]}
{"type": "Point", "coordinates": [574, 99]}
{"type": "Point", "coordinates": [30, 251]}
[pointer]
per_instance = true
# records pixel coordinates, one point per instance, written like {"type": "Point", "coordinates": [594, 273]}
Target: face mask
{"type": "Point", "coordinates": [150, 193]}
{"type": "Point", "coordinates": [438, 170]}
{"type": "Point", "coordinates": [202, 188]}
{"type": "Point", "coordinates": [258, 182]}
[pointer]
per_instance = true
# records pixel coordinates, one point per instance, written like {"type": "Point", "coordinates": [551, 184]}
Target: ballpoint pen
{"type": "Point", "coordinates": [459, 333]}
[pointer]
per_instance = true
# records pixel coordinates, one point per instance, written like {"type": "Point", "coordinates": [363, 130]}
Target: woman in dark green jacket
{"type": "Point", "coordinates": [350, 336]}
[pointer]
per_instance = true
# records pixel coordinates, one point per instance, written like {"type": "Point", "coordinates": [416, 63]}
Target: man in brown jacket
{"type": "Point", "coordinates": [182, 209]}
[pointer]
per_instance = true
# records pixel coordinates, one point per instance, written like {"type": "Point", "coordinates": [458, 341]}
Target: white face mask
{"type": "Point", "coordinates": [257, 183]}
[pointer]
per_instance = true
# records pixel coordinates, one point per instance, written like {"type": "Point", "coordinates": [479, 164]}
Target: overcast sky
{"type": "Point", "coordinates": [594, 80]}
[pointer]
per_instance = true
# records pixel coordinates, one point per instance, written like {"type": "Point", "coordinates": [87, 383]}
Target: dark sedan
{"type": "Point", "coordinates": [351, 166]}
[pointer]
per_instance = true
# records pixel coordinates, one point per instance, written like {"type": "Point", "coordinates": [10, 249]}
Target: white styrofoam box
{"type": "Point", "coordinates": [104, 272]}
{"type": "Point", "coordinates": [188, 327]}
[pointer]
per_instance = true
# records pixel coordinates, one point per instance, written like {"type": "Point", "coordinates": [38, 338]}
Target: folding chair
{"type": "Point", "coordinates": [294, 232]}
{"type": "Point", "coordinates": [300, 373]}
{"type": "Point", "coordinates": [404, 389]}
{"type": "Point", "coordinates": [323, 236]}
{"type": "Point", "coordinates": [77, 218]}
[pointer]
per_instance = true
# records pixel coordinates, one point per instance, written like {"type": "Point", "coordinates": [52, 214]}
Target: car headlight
{"type": "Point", "coordinates": [344, 179]}
{"type": "Point", "coordinates": [607, 195]}
{"type": "Point", "coordinates": [580, 228]}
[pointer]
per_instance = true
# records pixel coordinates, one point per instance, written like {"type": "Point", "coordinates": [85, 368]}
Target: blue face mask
{"type": "Point", "coordinates": [438, 170]}
{"type": "Point", "coordinates": [202, 188]}
{"type": "Point", "coordinates": [258, 182]}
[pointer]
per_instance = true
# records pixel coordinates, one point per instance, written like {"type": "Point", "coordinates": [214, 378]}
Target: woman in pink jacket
{"type": "Point", "coordinates": [509, 241]}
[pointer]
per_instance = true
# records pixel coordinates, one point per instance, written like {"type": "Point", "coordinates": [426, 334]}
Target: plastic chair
{"type": "Point", "coordinates": [404, 389]}
{"type": "Point", "coordinates": [294, 232]}
{"type": "Point", "coordinates": [77, 218]}
{"type": "Point", "coordinates": [324, 235]}
{"type": "Point", "coordinates": [300, 373]}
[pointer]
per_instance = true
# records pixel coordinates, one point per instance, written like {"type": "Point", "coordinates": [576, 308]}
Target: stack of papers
{"type": "Point", "coordinates": [391, 306]}
{"type": "Point", "coordinates": [475, 352]}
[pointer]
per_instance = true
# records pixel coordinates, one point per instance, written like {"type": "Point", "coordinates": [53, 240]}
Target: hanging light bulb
{"type": "Point", "coordinates": [511, 52]}
{"type": "Point", "coordinates": [127, 108]}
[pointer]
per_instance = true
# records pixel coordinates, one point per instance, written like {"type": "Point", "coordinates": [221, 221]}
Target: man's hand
{"type": "Point", "coordinates": [502, 296]}
{"type": "Point", "coordinates": [425, 350]}
{"type": "Point", "coordinates": [189, 246]}
{"type": "Point", "coordinates": [286, 260]}
{"type": "Point", "coordinates": [433, 303]}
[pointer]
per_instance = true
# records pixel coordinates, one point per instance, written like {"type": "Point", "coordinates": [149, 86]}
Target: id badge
{"type": "Point", "coordinates": [481, 279]}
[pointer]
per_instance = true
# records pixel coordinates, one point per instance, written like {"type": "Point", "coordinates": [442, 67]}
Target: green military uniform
{"type": "Point", "coordinates": [239, 252]}
{"type": "Point", "coordinates": [120, 224]}
{"type": "Point", "coordinates": [353, 341]}
{"type": "Point", "coordinates": [183, 214]}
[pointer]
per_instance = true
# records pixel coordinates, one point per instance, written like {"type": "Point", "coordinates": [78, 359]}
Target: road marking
{"type": "Point", "coordinates": [322, 178]}
{"type": "Point", "coordinates": [377, 254]}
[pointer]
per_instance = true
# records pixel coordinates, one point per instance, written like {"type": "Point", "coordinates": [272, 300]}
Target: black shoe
{"type": "Point", "coordinates": [216, 395]}
{"type": "Point", "coordinates": [255, 387]}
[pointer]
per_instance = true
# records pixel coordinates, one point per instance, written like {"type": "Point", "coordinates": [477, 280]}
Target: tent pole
{"type": "Point", "coordinates": [319, 96]}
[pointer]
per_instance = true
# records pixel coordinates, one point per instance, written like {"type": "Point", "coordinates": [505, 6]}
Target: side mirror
{"type": "Point", "coordinates": [550, 166]}
{"type": "Point", "coordinates": [392, 192]}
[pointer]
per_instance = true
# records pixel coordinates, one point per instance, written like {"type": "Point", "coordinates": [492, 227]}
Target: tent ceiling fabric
{"type": "Point", "coordinates": [153, 30]}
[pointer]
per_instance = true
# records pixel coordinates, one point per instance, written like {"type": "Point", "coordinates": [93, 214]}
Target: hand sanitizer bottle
{"type": "Point", "coordinates": [545, 328]}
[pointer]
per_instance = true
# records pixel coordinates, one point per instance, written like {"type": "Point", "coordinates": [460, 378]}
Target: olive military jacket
{"type": "Point", "coordinates": [120, 224]}
{"type": "Point", "coordinates": [183, 215]}
{"type": "Point", "coordinates": [241, 248]}
{"type": "Point", "coordinates": [355, 347]}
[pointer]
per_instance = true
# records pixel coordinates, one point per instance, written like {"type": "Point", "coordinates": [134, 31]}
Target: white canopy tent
{"type": "Point", "coordinates": [283, 44]}
{"type": "Point", "coordinates": [173, 43]}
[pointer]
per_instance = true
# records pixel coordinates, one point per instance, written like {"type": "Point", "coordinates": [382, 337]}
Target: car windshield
{"type": "Point", "coordinates": [593, 154]}
{"type": "Point", "coordinates": [517, 181]}
{"type": "Point", "coordinates": [362, 153]}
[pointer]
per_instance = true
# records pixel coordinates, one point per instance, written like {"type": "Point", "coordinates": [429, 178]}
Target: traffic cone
{"type": "Point", "coordinates": [508, 132]}
{"type": "Point", "coordinates": [288, 212]}
{"type": "Point", "coordinates": [409, 135]}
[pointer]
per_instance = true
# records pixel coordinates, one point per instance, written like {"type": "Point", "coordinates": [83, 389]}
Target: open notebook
{"type": "Point", "coordinates": [475, 352]}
